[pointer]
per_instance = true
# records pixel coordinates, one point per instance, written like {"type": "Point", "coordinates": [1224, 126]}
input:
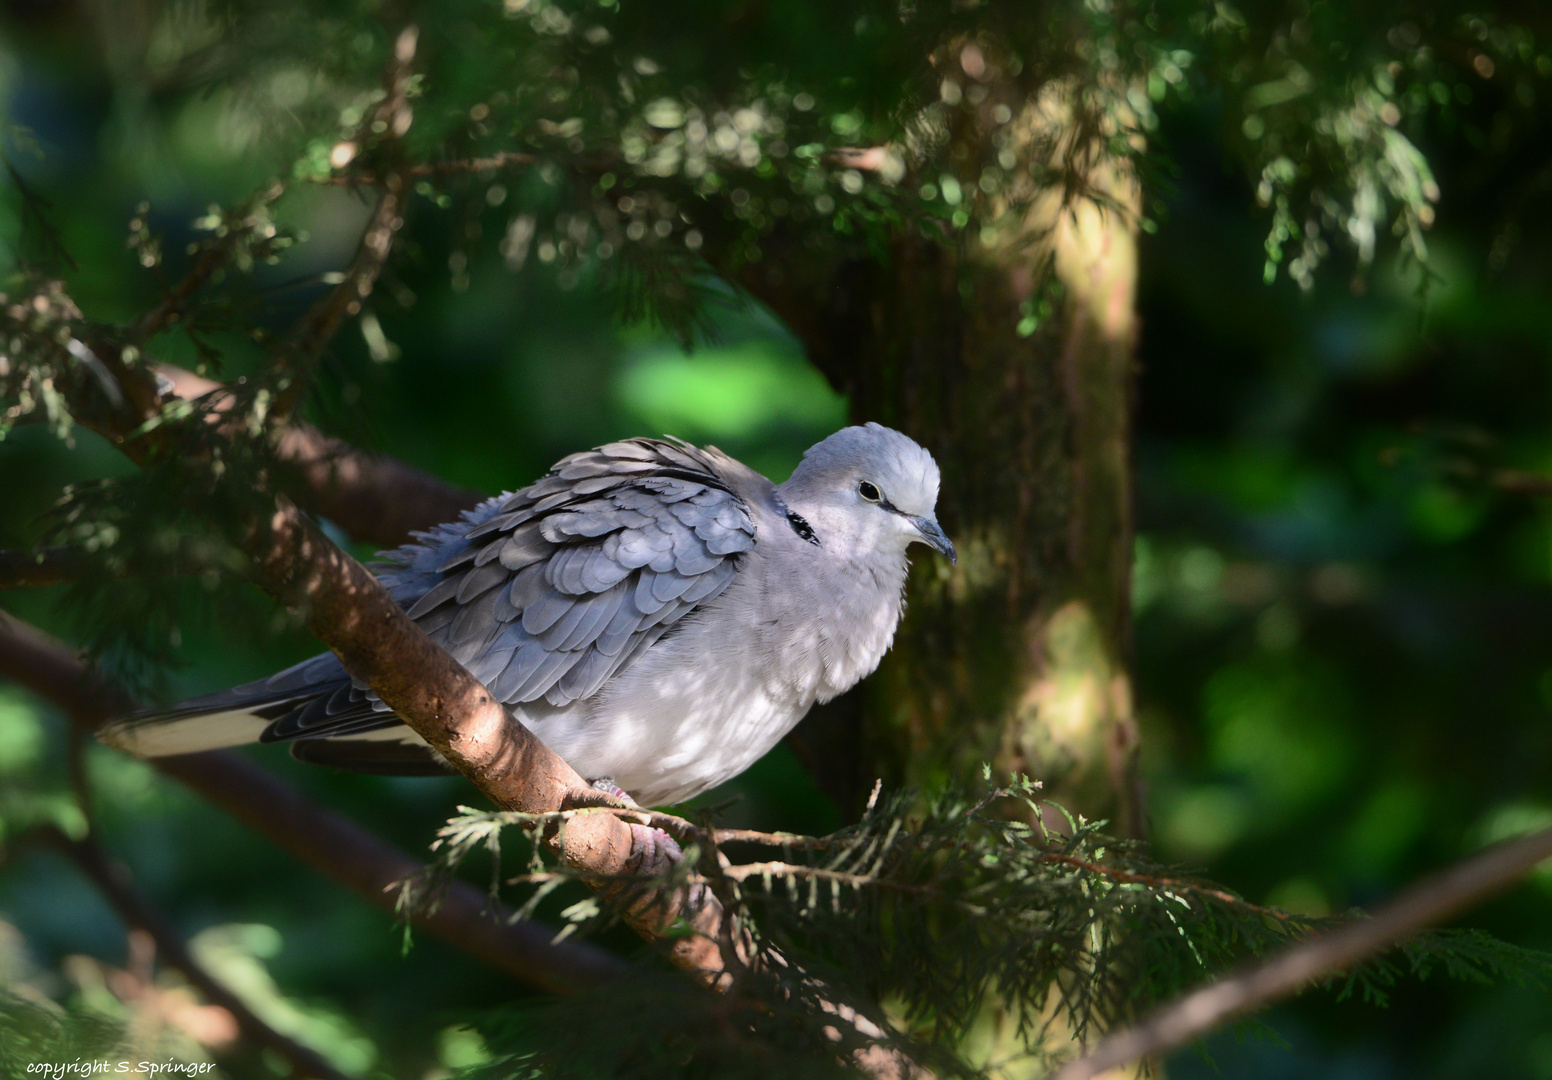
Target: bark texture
{"type": "Point", "coordinates": [1019, 657]}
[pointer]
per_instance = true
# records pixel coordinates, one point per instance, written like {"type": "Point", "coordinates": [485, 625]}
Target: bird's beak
{"type": "Point", "coordinates": [933, 536]}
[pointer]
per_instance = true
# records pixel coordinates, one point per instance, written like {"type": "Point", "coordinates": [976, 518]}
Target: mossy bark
{"type": "Point", "coordinates": [1018, 657]}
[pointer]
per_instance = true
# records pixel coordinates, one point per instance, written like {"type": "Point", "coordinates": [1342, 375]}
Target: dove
{"type": "Point", "coordinates": [660, 615]}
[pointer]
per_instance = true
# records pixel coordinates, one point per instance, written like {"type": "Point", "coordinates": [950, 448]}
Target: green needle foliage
{"type": "Point", "coordinates": [915, 918]}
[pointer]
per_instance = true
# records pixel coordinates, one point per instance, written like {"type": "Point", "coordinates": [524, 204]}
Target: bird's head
{"type": "Point", "coordinates": [869, 486]}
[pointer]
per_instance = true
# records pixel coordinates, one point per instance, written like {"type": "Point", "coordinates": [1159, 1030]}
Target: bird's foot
{"type": "Point", "coordinates": [609, 787]}
{"type": "Point", "coordinates": [652, 848]}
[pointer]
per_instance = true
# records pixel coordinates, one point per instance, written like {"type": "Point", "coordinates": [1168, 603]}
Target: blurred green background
{"type": "Point", "coordinates": [1344, 628]}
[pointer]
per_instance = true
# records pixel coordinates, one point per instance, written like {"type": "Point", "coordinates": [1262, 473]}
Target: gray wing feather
{"type": "Point", "coordinates": [601, 573]}
{"type": "Point", "coordinates": [525, 661]}
{"type": "Point", "coordinates": [644, 600]}
{"type": "Point", "coordinates": [568, 570]}
{"type": "Point", "coordinates": [670, 586]}
{"type": "Point", "coordinates": [602, 556]}
{"type": "Point", "coordinates": [494, 659]}
{"type": "Point", "coordinates": [439, 593]}
{"type": "Point", "coordinates": [710, 583]}
{"type": "Point", "coordinates": [545, 593]}
{"type": "Point", "coordinates": [546, 611]}
{"type": "Point", "coordinates": [320, 669]}
{"type": "Point", "coordinates": [480, 580]}
{"type": "Point", "coordinates": [626, 622]}
{"type": "Point", "coordinates": [473, 629]}
{"type": "Point", "coordinates": [575, 612]}
{"type": "Point", "coordinates": [540, 671]}
{"type": "Point", "coordinates": [601, 611]}
{"type": "Point", "coordinates": [436, 621]}
{"type": "Point", "coordinates": [525, 547]}
{"type": "Point", "coordinates": [527, 587]}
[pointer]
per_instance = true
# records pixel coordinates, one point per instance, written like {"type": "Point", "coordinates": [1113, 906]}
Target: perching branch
{"type": "Point", "coordinates": [338, 848]}
{"type": "Point", "coordinates": [1432, 901]}
{"type": "Point", "coordinates": [348, 608]}
{"type": "Point", "coordinates": [350, 611]}
{"type": "Point", "coordinates": [110, 881]}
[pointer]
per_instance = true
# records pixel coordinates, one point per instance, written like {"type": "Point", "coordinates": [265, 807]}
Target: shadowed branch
{"type": "Point", "coordinates": [373, 498]}
{"type": "Point", "coordinates": [1428, 903]}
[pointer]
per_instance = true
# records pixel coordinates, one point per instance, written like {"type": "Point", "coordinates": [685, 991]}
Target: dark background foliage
{"type": "Point", "coordinates": [1343, 618]}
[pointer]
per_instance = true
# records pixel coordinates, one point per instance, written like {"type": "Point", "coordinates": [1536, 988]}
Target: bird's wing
{"type": "Point", "coordinates": [572, 577]}
{"type": "Point", "coordinates": [542, 594]}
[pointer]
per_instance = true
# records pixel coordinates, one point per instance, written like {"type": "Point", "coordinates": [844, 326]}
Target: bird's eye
{"type": "Point", "coordinates": [868, 492]}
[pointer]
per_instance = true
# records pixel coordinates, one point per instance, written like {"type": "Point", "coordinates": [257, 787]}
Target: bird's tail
{"type": "Point", "coordinates": [236, 717]}
{"type": "Point", "coordinates": [314, 707]}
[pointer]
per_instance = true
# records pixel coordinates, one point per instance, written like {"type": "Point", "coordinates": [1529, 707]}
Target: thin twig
{"type": "Point", "coordinates": [744, 871]}
{"type": "Point", "coordinates": [210, 261]}
{"type": "Point", "coordinates": [1431, 901]}
{"type": "Point", "coordinates": [112, 883]}
{"type": "Point", "coordinates": [1176, 885]}
{"type": "Point", "coordinates": [777, 839]}
{"type": "Point", "coordinates": [428, 169]}
{"type": "Point", "coordinates": [35, 210]}
{"type": "Point", "coordinates": [1113, 873]}
{"type": "Point", "coordinates": [293, 365]}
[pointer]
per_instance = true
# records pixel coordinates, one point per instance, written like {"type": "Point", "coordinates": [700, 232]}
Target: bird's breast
{"type": "Point", "coordinates": [707, 701]}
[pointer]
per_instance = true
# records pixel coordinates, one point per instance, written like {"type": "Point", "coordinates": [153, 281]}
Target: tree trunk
{"type": "Point", "coordinates": [1019, 658]}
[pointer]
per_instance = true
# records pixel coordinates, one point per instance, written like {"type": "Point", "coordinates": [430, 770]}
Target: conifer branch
{"type": "Point", "coordinates": [1435, 899]}
{"type": "Point", "coordinates": [292, 368]}
{"type": "Point", "coordinates": [348, 609]}
{"type": "Point", "coordinates": [1164, 884]}
{"type": "Point", "coordinates": [211, 260]}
